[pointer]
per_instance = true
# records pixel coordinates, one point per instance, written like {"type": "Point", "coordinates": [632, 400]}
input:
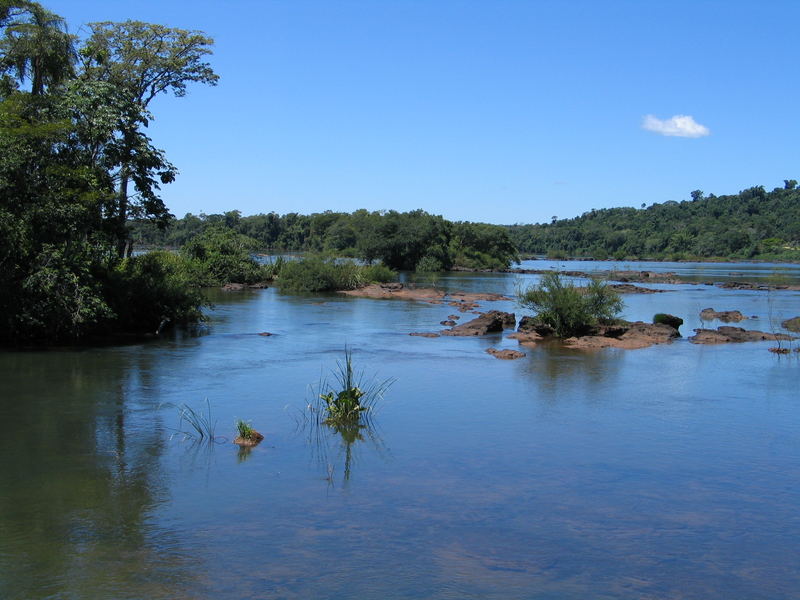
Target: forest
{"type": "Point", "coordinates": [405, 241]}
{"type": "Point", "coordinates": [753, 224]}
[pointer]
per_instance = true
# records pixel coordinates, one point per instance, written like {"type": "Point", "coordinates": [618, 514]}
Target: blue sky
{"type": "Point", "coordinates": [504, 111]}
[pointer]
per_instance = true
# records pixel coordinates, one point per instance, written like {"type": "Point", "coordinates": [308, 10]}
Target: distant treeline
{"type": "Point", "coordinates": [753, 224]}
{"type": "Point", "coordinates": [406, 241]}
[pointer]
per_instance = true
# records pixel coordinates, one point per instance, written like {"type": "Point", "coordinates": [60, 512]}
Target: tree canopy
{"type": "Point", "coordinates": [71, 136]}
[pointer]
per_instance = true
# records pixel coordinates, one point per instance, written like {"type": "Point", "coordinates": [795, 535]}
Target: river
{"type": "Point", "coordinates": [667, 472]}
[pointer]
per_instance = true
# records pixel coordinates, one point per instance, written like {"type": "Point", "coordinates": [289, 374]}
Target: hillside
{"type": "Point", "coordinates": [753, 224]}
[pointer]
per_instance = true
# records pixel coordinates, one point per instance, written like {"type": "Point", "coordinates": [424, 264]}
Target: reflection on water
{"type": "Point", "coordinates": [668, 472]}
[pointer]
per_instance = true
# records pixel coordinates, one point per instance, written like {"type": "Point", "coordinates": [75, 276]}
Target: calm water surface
{"type": "Point", "coordinates": [669, 472]}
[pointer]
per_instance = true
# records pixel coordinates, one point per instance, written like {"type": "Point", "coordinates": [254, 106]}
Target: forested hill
{"type": "Point", "coordinates": [753, 224]}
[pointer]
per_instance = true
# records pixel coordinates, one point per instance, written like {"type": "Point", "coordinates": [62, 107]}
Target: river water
{"type": "Point", "coordinates": [668, 472]}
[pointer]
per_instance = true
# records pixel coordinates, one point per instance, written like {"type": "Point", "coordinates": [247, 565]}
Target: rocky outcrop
{"type": "Point", "coordinates": [746, 285]}
{"type": "Point", "coordinates": [629, 336]}
{"type": "Point", "coordinates": [726, 316]}
{"type": "Point", "coordinates": [792, 324]}
{"type": "Point", "coordinates": [464, 305]}
{"type": "Point", "coordinates": [531, 325]}
{"type": "Point", "coordinates": [427, 334]}
{"type": "Point", "coordinates": [396, 290]}
{"type": "Point", "coordinates": [728, 334]}
{"type": "Point", "coordinates": [493, 321]}
{"type": "Point", "coordinates": [505, 354]}
{"type": "Point", "coordinates": [254, 439]}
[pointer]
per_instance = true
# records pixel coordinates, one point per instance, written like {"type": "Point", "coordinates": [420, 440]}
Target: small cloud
{"type": "Point", "coordinates": [679, 126]}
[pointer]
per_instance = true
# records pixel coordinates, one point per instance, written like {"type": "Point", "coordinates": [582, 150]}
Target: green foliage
{"type": "Point", "coordinates": [140, 61]}
{"type": "Point", "coordinates": [666, 319]}
{"type": "Point", "coordinates": [64, 147]}
{"type": "Point", "coordinates": [315, 274]}
{"type": "Point", "coordinates": [224, 256]}
{"type": "Point", "coordinates": [151, 290]}
{"type": "Point", "coordinates": [59, 298]}
{"type": "Point", "coordinates": [753, 224]}
{"type": "Point", "coordinates": [399, 240]}
{"type": "Point", "coordinates": [377, 273]}
{"type": "Point", "coordinates": [428, 264]}
{"type": "Point", "coordinates": [481, 246]}
{"type": "Point", "coordinates": [570, 310]}
{"type": "Point", "coordinates": [245, 430]}
{"type": "Point", "coordinates": [36, 46]}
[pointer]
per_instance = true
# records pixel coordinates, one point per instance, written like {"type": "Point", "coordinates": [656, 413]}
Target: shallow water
{"type": "Point", "coordinates": [668, 472]}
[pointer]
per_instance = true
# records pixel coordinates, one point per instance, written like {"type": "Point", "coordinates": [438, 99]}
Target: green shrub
{"type": "Point", "coordinates": [314, 274]}
{"type": "Point", "coordinates": [153, 289]}
{"type": "Point", "coordinates": [429, 264]}
{"type": "Point", "coordinates": [666, 319]}
{"type": "Point", "coordinates": [570, 310]}
{"type": "Point", "coordinates": [224, 256]}
{"type": "Point", "coordinates": [378, 273]}
{"type": "Point", "coordinates": [556, 254]}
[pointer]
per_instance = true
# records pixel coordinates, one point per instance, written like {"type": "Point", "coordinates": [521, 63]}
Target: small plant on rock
{"type": "Point", "coordinates": [247, 435]}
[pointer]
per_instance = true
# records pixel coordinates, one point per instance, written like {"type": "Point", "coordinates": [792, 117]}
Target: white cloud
{"type": "Point", "coordinates": [679, 126]}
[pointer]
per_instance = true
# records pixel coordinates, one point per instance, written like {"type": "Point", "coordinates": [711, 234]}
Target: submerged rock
{"type": "Point", "coordinates": [629, 288]}
{"type": "Point", "coordinates": [726, 316]}
{"type": "Point", "coordinates": [728, 334]}
{"type": "Point", "coordinates": [427, 334]}
{"type": "Point", "coordinates": [792, 324]}
{"type": "Point", "coordinates": [505, 354]}
{"type": "Point", "coordinates": [493, 321]}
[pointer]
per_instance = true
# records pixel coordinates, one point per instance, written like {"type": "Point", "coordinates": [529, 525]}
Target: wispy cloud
{"type": "Point", "coordinates": [679, 126]}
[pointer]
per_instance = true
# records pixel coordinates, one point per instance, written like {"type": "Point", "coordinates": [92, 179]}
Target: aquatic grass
{"type": "Point", "coordinates": [196, 424]}
{"type": "Point", "coordinates": [342, 410]}
{"type": "Point", "coordinates": [245, 430]}
{"type": "Point", "coordinates": [352, 401]}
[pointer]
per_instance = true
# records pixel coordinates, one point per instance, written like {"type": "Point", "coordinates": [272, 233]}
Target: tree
{"type": "Point", "coordinates": [143, 60]}
{"type": "Point", "coordinates": [36, 45]}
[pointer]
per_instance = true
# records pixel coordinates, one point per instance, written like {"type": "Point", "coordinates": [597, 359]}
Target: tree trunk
{"type": "Point", "coordinates": [122, 215]}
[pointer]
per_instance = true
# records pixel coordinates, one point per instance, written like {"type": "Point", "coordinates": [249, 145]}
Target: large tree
{"type": "Point", "coordinates": [143, 60]}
